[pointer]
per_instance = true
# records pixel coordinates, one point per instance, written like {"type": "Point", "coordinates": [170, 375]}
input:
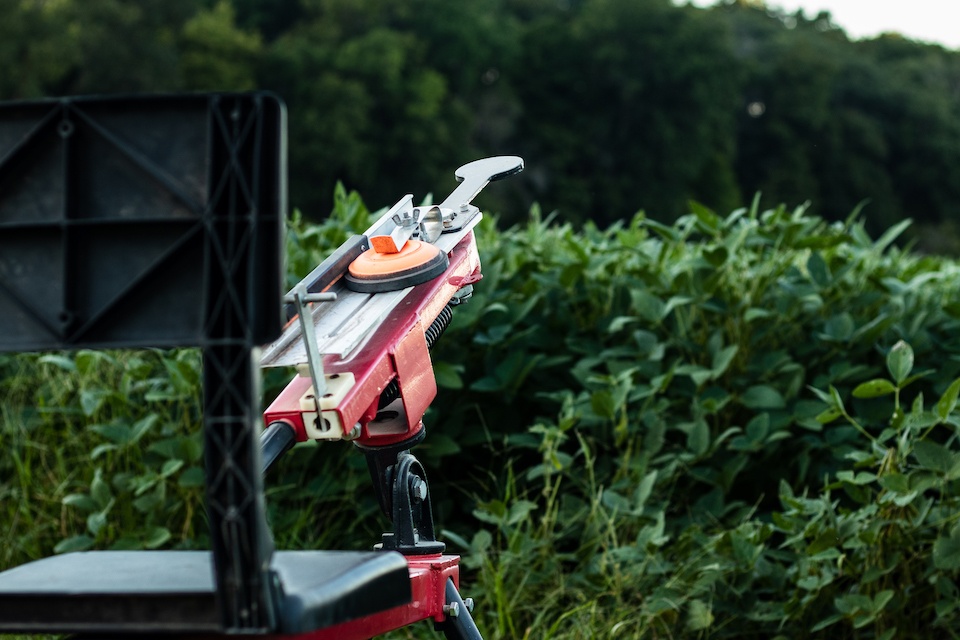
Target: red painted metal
{"type": "Point", "coordinates": [375, 363]}
{"type": "Point", "coordinates": [428, 580]}
{"type": "Point", "coordinates": [397, 349]}
{"type": "Point", "coordinates": [418, 387]}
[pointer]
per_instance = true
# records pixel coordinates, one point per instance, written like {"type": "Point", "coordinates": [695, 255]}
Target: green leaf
{"type": "Point", "coordinates": [758, 428]}
{"type": "Point", "coordinates": [946, 553]}
{"type": "Point", "coordinates": [96, 521]}
{"type": "Point", "coordinates": [881, 599]}
{"type": "Point", "coordinates": [896, 482]}
{"type": "Point", "coordinates": [100, 490]}
{"type": "Point", "coordinates": [76, 543]}
{"type": "Point", "coordinates": [699, 616]}
{"type": "Point", "coordinates": [704, 214]}
{"type": "Point", "coordinates": [191, 448]}
{"type": "Point", "coordinates": [822, 242]}
{"type": "Point", "coordinates": [716, 256]}
{"type": "Point", "coordinates": [155, 537]}
{"type": "Point", "coordinates": [896, 420]}
{"type": "Point", "coordinates": [933, 456]}
{"type": "Point", "coordinates": [602, 404]}
{"type": "Point", "coordinates": [891, 234]}
{"type": "Point", "coordinates": [667, 233]}
{"type": "Point", "coordinates": [902, 501]}
{"type": "Point", "coordinates": [644, 489]}
{"type": "Point", "coordinates": [840, 327]}
{"type": "Point", "coordinates": [874, 388]}
{"type": "Point", "coordinates": [826, 622]}
{"type": "Point", "coordinates": [170, 467]}
{"type": "Point", "coordinates": [948, 400]}
{"type": "Point", "coordinates": [852, 603]}
{"type": "Point", "coordinates": [818, 270]}
{"type": "Point", "coordinates": [835, 398]}
{"type": "Point", "coordinates": [862, 620]}
{"type": "Point", "coordinates": [448, 375]}
{"type": "Point", "coordinates": [647, 305]}
{"type": "Point", "coordinates": [900, 361]}
{"type": "Point", "coordinates": [192, 477]}
{"type": "Point", "coordinates": [92, 399]}
{"type": "Point", "coordinates": [101, 449]}
{"type": "Point", "coordinates": [118, 433]}
{"type": "Point", "coordinates": [762, 397]}
{"type": "Point", "coordinates": [722, 360]}
{"type": "Point", "coordinates": [143, 426]}
{"type": "Point", "coordinates": [519, 511]}
{"type": "Point", "coordinates": [698, 439]}
{"type": "Point", "coordinates": [81, 501]}
{"type": "Point", "coordinates": [821, 394]}
{"type": "Point", "coordinates": [829, 415]}
{"type": "Point", "coordinates": [619, 323]}
{"type": "Point", "coordinates": [487, 384]}
{"type": "Point", "coordinates": [442, 445]}
{"type": "Point", "coordinates": [826, 540]}
{"type": "Point", "coordinates": [63, 362]}
{"type": "Point", "coordinates": [753, 313]}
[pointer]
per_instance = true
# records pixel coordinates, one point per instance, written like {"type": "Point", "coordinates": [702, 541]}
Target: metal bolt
{"type": "Point", "coordinates": [418, 489]}
{"type": "Point", "coordinates": [353, 434]}
{"type": "Point", "coordinates": [464, 207]}
{"type": "Point", "coordinates": [462, 295]}
{"type": "Point", "coordinates": [468, 603]}
{"type": "Point", "coordinates": [452, 610]}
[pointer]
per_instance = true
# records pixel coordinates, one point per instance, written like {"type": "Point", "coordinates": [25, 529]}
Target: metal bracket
{"type": "Point", "coordinates": [412, 517]}
{"type": "Point", "coordinates": [300, 298]}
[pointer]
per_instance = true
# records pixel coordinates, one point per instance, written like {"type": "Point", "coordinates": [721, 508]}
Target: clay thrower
{"type": "Point", "coordinates": [359, 332]}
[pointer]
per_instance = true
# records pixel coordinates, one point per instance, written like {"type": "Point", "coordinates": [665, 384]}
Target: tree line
{"type": "Point", "coordinates": [615, 104]}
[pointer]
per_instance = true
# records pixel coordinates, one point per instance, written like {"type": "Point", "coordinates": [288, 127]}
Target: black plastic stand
{"type": "Point", "coordinates": [404, 495]}
{"type": "Point", "coordinates": [240, 539]}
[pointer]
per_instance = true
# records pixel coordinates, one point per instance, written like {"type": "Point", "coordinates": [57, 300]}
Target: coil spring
{"type": "Point", "coordinates": [392, 391]}
{"type": "Point", "coordinates": [438, 326]}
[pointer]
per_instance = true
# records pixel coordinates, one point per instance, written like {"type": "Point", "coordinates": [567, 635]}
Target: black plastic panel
{"type": "Point", "coordinates": [109, 208]}
{"type": "Point", "coordinates": [158, 221]}
{"type": "Point", "coordinates": [173, 591]}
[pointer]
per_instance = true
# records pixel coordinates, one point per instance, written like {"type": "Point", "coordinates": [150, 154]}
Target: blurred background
{"type": "Point", "coordinates": [616, 105]}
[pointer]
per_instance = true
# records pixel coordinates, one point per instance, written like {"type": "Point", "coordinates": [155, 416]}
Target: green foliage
{"type": "Point", "coordinates": [614, 104]}
{"type": "Point", "coordinates": [669, 104]}
{"type": "Point", "coordinates": [713, 427]}
{"type": "Point", "coordinates": [667, 398]}
{"type": "Point", "coordinates": [100, 450]}
{"type": "Point", "coordinates": [216, 55]}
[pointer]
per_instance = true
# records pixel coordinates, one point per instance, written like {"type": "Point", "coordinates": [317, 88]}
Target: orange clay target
{"type": "Point", "coordinates": [417, 262]}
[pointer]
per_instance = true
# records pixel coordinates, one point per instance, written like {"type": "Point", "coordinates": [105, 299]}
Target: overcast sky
{"type": "Point", "coordinates": [929, 20]}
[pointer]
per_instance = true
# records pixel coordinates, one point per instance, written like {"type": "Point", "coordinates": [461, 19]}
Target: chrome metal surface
{"type": "Point", "coordinates": [474, 176]}
{"type": "Point", "coordinates": [338, 326]}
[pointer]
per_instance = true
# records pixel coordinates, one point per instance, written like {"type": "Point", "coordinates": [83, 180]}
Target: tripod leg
{"type": "Point", "coordinates": [459, 625]}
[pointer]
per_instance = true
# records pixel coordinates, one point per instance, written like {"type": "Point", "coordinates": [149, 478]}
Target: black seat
{"type": "Point", "coordinates": [173, 591]}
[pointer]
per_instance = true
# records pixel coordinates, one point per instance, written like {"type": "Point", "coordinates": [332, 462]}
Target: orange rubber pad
{"type": "Point", "coordinates": [384, 244]}
{"type": "Point", "coordinates": [417, 262]}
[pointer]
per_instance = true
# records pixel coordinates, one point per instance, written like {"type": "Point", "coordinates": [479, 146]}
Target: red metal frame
{"type": "Point", "coordinates": [397, 349]}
